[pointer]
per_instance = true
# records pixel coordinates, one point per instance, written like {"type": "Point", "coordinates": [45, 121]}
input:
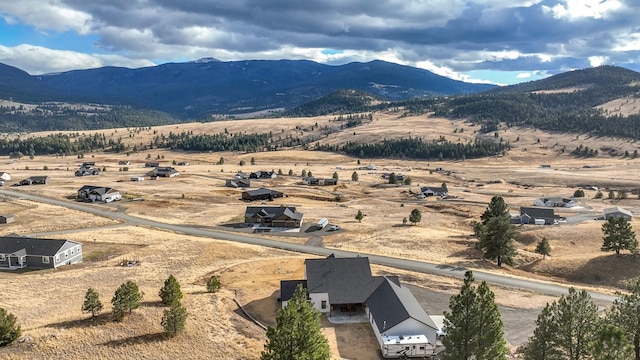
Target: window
{"type": "Point", "coordinates": [78, 249]}
{"type": "Point", "coordinates": [66, 253]}
{"type": "Point", "coordinates": [421, 347]}
{"type": "Point", "coordinates": [2, 258]}
{"type": "Point", "coordinates": [323, 304]}
{"type": "Point", "coordinates": [71, 251]}
{"type": "Point", "coordinates": [45, 259]}
{"type": "Point", "coordinates": [58, 258]}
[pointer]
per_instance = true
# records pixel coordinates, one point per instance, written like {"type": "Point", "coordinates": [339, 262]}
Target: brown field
{"type": "Point", "coordinates": [54, 326]}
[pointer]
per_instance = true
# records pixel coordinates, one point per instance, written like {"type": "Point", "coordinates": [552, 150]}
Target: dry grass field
{"type": "Point", "coordinates": [50, 310]}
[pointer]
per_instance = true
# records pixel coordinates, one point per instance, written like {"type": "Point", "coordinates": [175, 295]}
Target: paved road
{"type": "Point", "coordinates": [411, 265]}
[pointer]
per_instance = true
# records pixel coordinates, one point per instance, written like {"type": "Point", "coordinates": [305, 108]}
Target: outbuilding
{"type": "Point", "coordinates": [617, 212]}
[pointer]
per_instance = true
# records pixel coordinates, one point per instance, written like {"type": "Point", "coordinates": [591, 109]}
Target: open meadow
{"type": "Point", "coordinates": [47, 303]}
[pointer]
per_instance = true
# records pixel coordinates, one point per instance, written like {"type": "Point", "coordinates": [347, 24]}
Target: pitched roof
{"type": "Point", "coordinates": [100, 190]}
{"type": "Point", "coordinates": [391, 303]}
{"type": "Point", "coordinates": [37, 178]}
{"type": "Point", "coordinates": [33, 246]}
{"type": "Point", "coordinates": [435, 189]}
{"type": "Point", "coordinates": [263, 191]}
{"type": "Point", "coordinates": [346, 280]}
{"type": "Point", "coordinates": [615, 209]}
{"type": "Point", "coordinates": [272, 212]}
{"type": "Point", "coordinates": [536, 212]}
{"type": "Point", "coordinates": [288, 287]}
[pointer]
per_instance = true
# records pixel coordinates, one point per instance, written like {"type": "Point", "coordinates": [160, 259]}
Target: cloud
{"type": "Point", "coordinates": [448, 36]}
{"type": "Point", "coordinates": [523, 75]}
{"type": "Point", "coordinates": [40, 60]}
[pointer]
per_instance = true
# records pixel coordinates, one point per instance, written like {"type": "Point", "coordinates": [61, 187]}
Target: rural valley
{"type": "Point", "coordinates": [200, 198]}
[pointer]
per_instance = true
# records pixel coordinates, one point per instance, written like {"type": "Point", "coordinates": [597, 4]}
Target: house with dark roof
{"type": "Point", "coordinates": [261, 194]}
{"type": "Point", "coordinates": [152, 164]}
{"type": "Point", "coordinates": [434, 191]}
{"type": "Point", "coordinates": [238, 183]}
{"type": "Point", "coordinates": [98, 193]}
{"type": "Point", "coordinates": [536, 215]}
{"type": "Point", "coordinates": [273, 216]}
{"type": "Point", "coordinates": [35, 180]}
{"type": "Point", "coordinates": [334, 285]}
{"type": "Point", "coordinates": [261, 174]}
{"type": "Point", "coordinates": [617, 212]}
{"type": "Point", "coordinates": [164, 172]}
{"type": "Point", "coordinates": [18, 252]}
{"type": "Point", "coordinates": [87, 171]}
{"type": "Point", "coordinates": [319, 181]}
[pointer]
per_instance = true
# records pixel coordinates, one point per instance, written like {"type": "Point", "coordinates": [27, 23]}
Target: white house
{"type": "Point", "coordinates": [337, 285]}
{"type": "Point", "coordinates": [555, 202]}
{"type": "Point", "coordinates": [4, 176]}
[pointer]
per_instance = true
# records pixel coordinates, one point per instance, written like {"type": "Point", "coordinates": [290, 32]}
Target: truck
{"type": "Point", "coordinates": [322, 223]}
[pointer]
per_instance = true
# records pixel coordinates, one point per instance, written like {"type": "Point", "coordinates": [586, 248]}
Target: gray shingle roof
{"type": "Point", "coordinates": [541, 213]}
{"type": "Point", "coordinates": [346, 280]}
{"type": "Point", "coordinates": [391, 303]}
{"type": "Point", "coordinates": [273, 212]}
{"type": "Point", "coordinates": [288, 287]}
{"type": "Point", "coordinates": [616, 209]}
{"type": "Point", "coordinates": [263, 191]}
{"type": "Point", "coordinates": [33, 246]}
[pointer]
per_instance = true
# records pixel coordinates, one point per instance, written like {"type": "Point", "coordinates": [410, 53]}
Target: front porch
{"type": "Point", "coordinates": [13, 261]}
{"type": "Point", "coordinates": [347, 314]}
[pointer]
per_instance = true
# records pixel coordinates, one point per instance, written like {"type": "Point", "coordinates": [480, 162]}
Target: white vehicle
{"type": "Point", "coordinates": [334, 228]}
{"type": "Point", "coordinates": [322, 223]}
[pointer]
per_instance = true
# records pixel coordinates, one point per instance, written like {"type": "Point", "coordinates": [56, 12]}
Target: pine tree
{"type": "Point", "coordinates": [354, 176]}
{"type": "Point", "coordinates": [297, 334]}
{"type": "Point", "coordinates": [213, 284]}
{"type": "Point", "coordinates": [9, 330]}
{"type": "Point", "coordinates": [474, 327]}
{"type": "Point", "coordinates": [126, 298]}
{"type": "Point", "coordinates": [618, 235]}
{"type": "Point", "coordinates": [415, 216]}
{"type": "Point", "coordinates": [496, 233]}
{"type": "Point", "coordinates": [359, 216]}
{"type": "Point", "coordinates": [610, 343]}
{"type": "Point", "coordinates": [170, 292]}
{"type": "Point", "coordinates": [393, 178]}
{"type": "Point", "coordinates": [576, 318]}
{"type": "Point", "coordinates": [625, 313]}
{"type": "Point", "coordinates": [335, 175]}
{"type": "Point", "coordinates": [174, 319]}
{"type": "Point", "coordinates": [92, 302]}
{"type": "Point", "coordinates": [542, 344]}
{"type": "Point", "coordinates": [543, 248]}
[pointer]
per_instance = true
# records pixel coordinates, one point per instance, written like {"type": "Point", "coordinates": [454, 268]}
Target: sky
{"type": "Point", "coordinates": [494, 41]}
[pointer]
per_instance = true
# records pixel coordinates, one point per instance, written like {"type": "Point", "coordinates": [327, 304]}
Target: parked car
{"type": "Point", "coordinates": [334, 228]}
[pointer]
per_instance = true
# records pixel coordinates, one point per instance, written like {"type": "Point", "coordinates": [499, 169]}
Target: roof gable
{"type": "Point", "coordinates": [391, 304]}
{"type": "Point", "coordinates": [33, 246]}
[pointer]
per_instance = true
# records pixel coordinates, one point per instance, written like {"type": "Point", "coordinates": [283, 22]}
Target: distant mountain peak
{"type": "Point", "coordinates": [206, 60]}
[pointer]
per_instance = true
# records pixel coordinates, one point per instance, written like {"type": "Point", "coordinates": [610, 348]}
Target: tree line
{"type": "Point", "coordinates": [50, 118]}
{"type": "Point", "coordinates": [418, 148]}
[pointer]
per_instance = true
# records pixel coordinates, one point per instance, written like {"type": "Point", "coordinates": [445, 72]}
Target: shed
{"type": "Point", "coordinates": [617, 212]}
{"type": "Point", "coordinates": [6, 219]}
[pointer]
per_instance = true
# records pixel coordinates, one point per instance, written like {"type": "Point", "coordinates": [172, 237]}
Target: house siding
{"type": "Point", "coordinates": [70, 258]}
{"type": "Point", "coordinates": [316, 300]}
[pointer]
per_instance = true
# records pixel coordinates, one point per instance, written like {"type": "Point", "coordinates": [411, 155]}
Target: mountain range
{"type": "Point", "coordinates": [198, 89]}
